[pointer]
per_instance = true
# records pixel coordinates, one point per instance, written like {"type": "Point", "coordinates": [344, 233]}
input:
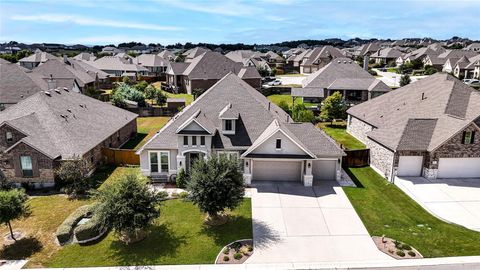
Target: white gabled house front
{"type": "Point", "coordinates": [234, 120]}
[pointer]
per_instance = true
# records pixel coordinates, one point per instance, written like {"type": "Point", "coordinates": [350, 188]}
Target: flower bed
{"type": "Point", "coordinates": [396, 249]}
{"type": "Point", "coordinates": [235, 253]}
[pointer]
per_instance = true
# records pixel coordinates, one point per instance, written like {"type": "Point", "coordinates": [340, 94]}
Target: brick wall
{"type": "Point", "coordinates": [4, 144]}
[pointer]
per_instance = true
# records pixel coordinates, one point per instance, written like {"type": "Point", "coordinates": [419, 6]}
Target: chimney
{"type": "Point", "coordinates": [366, 59]}
{"type": "Point", "coordinates": [52, 84]}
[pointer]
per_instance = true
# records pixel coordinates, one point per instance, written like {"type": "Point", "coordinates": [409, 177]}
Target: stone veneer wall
{"type": "Point", "coordinates": [358, 129]}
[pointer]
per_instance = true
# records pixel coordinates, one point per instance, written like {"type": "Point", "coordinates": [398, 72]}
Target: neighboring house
{"type": "Point", "coordinates": [465, 67]}
{"type": "Point", "coordinates": [155, 64]}
{"type": "Point", "coordinates": [140, 49]}
{"type": "Point", "coordinates": [367, 49]}
{"type": "Point", "coordinates": [85, 57]}
{"type": "Point", "coordinates": [295, 59]}
{"type": "Point", "coordinates": [17, 83]}
{"type": "Point", "coordinates": [385, 56]}
{"type": "Point", "coordinates": [473, 47]}
{"type": "Point", "coordinates": [249, 58]}
{"type": "Point", "coordinates": [205, 70]}
{"type": "Point", "coordinates": [476, 69]}
{"type": "Point", "coordinates": [118, 66]}
{"type": "Point", "coordinates": [274, 60]}
{"type": "Point", "coordinates": [43, 130]}
{"type": "Point", "coordinates": [420, 54]}
{"type": "Point", "coordinates": [440, 61]}
{"type": "Point", "coordinates": [9, 49]}
{"type": "Point", "coordinates": [60, 74]}
{"type": "Point", "coordinates": [345, 76]}
{"type": "Point", "coordinates": [168, 55]}
{"type": "Point", "coordinates": [317, 58]}
{"type": "Point", "coordinates": [111, 50]}
{"type": "Point", "coordinates": [102, 78]}
{"type": "Point", "coordinates": [38, 57]}
{"type": "Point", "coordinates": [233, 120]}
{"type": "Point", "coordinates": [193, 53]}
{"type": "Point", "coordinates": [429, 128]}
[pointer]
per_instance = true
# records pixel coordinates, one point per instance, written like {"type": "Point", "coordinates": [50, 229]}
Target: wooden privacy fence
{"type": "Point", "coordinates": [121, 156]}
{"type": "Point", "coordinates": [356, 158]}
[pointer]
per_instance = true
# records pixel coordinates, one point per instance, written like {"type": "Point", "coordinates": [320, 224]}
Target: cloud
{"type": "Point", "coordinates": [86, 21]}
{"type": "Point", "coordinates": [227, 8]}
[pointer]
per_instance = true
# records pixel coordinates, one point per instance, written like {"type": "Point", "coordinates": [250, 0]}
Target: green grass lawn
{"type": "Point", "coordinates": [179, 236]}
{"type": "Point", "coordinates": [146, 128]}
{"type": "Point", "coordinates": [188, 98]}
{"type": "Point", "coordinates": [47, 213]}
{"type": "Point", "coordinates": [277, 98]}
{"type": "Point", "coordinates": [339, 133]}
{"type": "Point", "coordinates": [386, 210]}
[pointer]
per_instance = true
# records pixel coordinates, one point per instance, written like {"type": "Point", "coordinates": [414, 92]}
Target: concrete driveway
{"type": "Point", "coordinates": [393, 79]}
{"type": "Point", "coordinates": [293, 223]}
{"type": "Point", "coordinates": [452, 200]}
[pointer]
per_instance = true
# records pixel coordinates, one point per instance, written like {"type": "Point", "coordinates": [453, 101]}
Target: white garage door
{"type": "Point", "coordinates": [324, 169]}
{"type": "Point", "coordinates": [276, 170]}
{"type": "Point", "coordinates": [459, 168]}
{"type": "Point", "coordinates": [410, 166]}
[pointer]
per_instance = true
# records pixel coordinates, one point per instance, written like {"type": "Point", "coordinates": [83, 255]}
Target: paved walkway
{"type": "Point", "coordinates": [293, 223]}
{"type": "Point", "coordinates": [453, 200]}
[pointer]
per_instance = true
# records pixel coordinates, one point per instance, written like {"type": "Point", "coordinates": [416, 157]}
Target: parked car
{"type": "Point", "coordinates": [275, 83]}
{"type": "Point", "coordinates": [472, 82]}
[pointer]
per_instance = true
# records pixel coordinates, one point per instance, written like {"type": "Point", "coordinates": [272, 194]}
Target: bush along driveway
{"type": "Point", "coordinates": [386, 210]}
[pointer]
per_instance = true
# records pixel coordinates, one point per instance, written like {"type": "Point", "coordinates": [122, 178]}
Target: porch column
{"type": "Point", "coordinates": [247, 171]}
{"type": "Point", "coordinates": [308, 177]}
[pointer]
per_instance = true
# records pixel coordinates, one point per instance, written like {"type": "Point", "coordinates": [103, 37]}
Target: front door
{"type": "Point", "coordinates": [191, 158]}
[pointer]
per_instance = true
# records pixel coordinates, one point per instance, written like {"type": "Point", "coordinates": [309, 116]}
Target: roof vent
{"type": "Point", "coordinates": [339, 61]}
{"type": "Point", "coordinates": [65, 88]}
{"type": "Point", "coordinates": [81, 105]}
{"type": "Point", "coordinates": [47, 93]}
{"type": "Point", "coordinates": [57, 91]}
{"type": "Point", "coordinates": [68, 110]}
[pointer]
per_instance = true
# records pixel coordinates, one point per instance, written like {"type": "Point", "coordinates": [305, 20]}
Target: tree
{"type": "Point", "coordinates": [71, 177]}
{"type": "Point", "coordinates": [13, 206]}
{"type": "Point", "coordinates": [141, 85]}
{"type": "Point", "coordinates": [128, 206]}
{"type": "Point", "coordinates": [160, 98]}
{"type": "Point", "coordinates": [300, 113]}
{"type": "Point", "coordinates": [124, 92]}
{"type": "Point", "coordinates": [216, 184]}
{"type": "Point", "coordinates": [333, 107]}
{"type": "Point", "coordinates": [150, 92]}
{"type": "Point", "coordinates": [404, 80]}
{"type": "Point", "coordinates": [263, 71]}
{"type": "Point", "coordinates": [284, 106]}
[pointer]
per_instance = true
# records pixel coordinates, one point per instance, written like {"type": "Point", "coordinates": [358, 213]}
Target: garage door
{"type": "Point", "coordinates": [410, 166]}
{"type": "Point", "coordinates": [324, 169]}
{"type": "Point", "coordinates": [459, 168]}
{"type": "Point", "coordinates": [276, 170]}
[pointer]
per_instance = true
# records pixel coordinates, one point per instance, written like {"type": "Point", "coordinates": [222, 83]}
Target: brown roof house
{"type": "Point", "coordinates": [41, 131]}
{"type": "Point", "coordinates": [234, 120]}
{"type": "Point", "coordinates": [317, 58]}
{"type": "Point", "coordinates": [465, 67]}
{"type": "Point", "coordinates": [429, 128]}
{"type": "Point", "coordinates": [385, 56]}
{"type": "Point", "coordinates": [205, 70]}
{"type": "Point", "coordinates": [345, 76]}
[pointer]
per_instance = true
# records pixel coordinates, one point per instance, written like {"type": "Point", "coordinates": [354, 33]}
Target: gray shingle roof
{"type": "Point", "coordinates": [150, 60]}
{"type": "Point", "coordinates": [38, 57]}
{"type": "Point", "coordinates": [54, 130]}
{"type": "Point", "coordinates": [448, 102]}
{"type": "Point", "coordinates": [344, 74]}
{"type": "Point", "coordinates": [107, 63]}
{"type": "Point", "coordinates": [256, 113]}
{"type": "Point", "coordinates": [17, 83]}
{"type": "Point", "coordinates": [61, 71]}
{"type": "Point", "coordinates": [320, 53]}
{"type": "Point", "coordinates": [387, 53]}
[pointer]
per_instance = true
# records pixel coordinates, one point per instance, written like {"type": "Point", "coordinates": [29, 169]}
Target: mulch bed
{"type": "Point", "coordinates": [8, 238]}
{"type": "Point", "coordinates": [396, 249]}
{"type": "Point", "coordinates": [236, 253]}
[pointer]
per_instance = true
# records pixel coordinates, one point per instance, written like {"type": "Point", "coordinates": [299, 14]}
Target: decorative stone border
{"type": "Point", "coordinates": [91, 239]}
{"type": "Point", "coordinates": [220, 253]}
{"type": "Point", "coordinates": [390, 245]}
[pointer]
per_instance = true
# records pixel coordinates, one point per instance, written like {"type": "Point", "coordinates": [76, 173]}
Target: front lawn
{"type": "Point", "coordinates": [386, 210]}
{"type": "Point", "coordinates": [188, 98]}
{"type": "Point", "coordinates": [339, 133]}
{"type": "Point", "coordinates": [146, 128]}
{"type": "Point", "coordinates": [179, 236]}
{"type": "Point", "coordinates": [277, 98]}
{"type": "Point", "coordinates": [47, 213]}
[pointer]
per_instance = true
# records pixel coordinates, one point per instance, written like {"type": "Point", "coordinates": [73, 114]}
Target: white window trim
{"type": "Point", "coordinates": [224, 125]}
{"type": "Point", "coordinates": [9, 136]}
{"type": "Point", "coordinates": [159, 161]}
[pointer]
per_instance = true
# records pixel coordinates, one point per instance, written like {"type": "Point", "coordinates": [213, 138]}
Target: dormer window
{"type": "Point", "coordinates": [228, 125]}
{"type": "Point", "coordinates": [9, 137]}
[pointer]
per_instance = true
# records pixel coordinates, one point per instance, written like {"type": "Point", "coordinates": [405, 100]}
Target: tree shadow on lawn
{"type": "Point", "coordinates": [160, 241]}
{"type": "Point", "coordinates": [21, 249]}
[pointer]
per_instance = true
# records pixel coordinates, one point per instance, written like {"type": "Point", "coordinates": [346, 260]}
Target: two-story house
{"type": "Point", "coordinates": [234, 120]}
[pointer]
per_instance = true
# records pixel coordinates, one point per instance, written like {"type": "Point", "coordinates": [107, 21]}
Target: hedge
{"type": "Point", "coordinates": [65, 230]}
{"type": "Point", "coordinates": [89, 230]}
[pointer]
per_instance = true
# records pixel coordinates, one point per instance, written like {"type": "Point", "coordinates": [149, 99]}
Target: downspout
{"type": "Point", "coordinates": [392, 176]}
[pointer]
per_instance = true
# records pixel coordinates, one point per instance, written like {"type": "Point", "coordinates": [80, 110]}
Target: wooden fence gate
{"type": "Point", "coordinates": [356, 158]}
{"type": "Point", "coordinates": [121, 156]}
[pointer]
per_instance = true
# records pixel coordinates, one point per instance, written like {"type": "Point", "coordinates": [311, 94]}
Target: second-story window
{"type": "Point", "coordinates": [468, 137]}
{"type": "Point", "coordinates": [278, 144]}
{"type": "Point", "coordinates": [9, 136]}
{"type": "Point", "coordinates": [228, 125]}
{"type": "Point", "coordinates": [194, 140]}
{"type": "Point", "coordinates": [202, 140]}
{"type": "Point", "coordinates": [185, 140]}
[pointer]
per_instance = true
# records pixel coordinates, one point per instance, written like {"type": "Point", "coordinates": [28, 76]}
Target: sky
{"type": "Point", "coordinates": [166, 22]}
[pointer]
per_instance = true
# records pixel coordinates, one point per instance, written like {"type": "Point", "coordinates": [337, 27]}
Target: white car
{"type": "Point", "coordinates": [472, 82]}
{"type": "Point", "coordinates": [275, 83]}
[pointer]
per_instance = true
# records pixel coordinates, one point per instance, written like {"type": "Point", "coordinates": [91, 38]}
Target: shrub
{"type": "Point", "coordinates": [183, 195]}
{"type": "Point", "coordinates": [150, 92]}
{"type": "Point", "coordinates": [162, 194]}
{"type": "Point", "coordinates": [89, 229]}
{"type": "Point", "coordinates": [333, 107]}
{"type": "Point", "coordinates": [182, 178]}
{"type": "Point", "coordinates": [301, 114]}
{"type": "Point", "coordinates": [405, 79]}
{"type": "Point", "coordinates": [226, 250]}
{"type": "Point", "coordinates": [71, 177]}
{"type": "Point", "coordinates": [250, 248]}
{"type": "Point", "coordinates": [400, 253]}
{"type": "Point", "coordinates": [237, 256]}
{"type": "Point", "coordinates": [406, 247]}
{"type": "Point", "coordinates": [412, 254]}
{"type": "Point", "coordinates": [398, 244]}
{"type": "Point", "coordinates": [65, 230]}
{"type": "Point", "coordinates": [141, 85]}
{"type": "Point", "coordinates": [284, 106]}
{"type": "Point", "coordinates": [372, 72]}
{"type": "Point", "coordinates": [226, 258]}
{"type": "Point", "coordinates": [160, 98]}
{"type": "Point", "coordinates": [236, 245]}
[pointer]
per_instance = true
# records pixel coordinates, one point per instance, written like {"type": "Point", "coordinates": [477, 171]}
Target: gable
{"type": "Point", "coordinates": [269, 146]}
